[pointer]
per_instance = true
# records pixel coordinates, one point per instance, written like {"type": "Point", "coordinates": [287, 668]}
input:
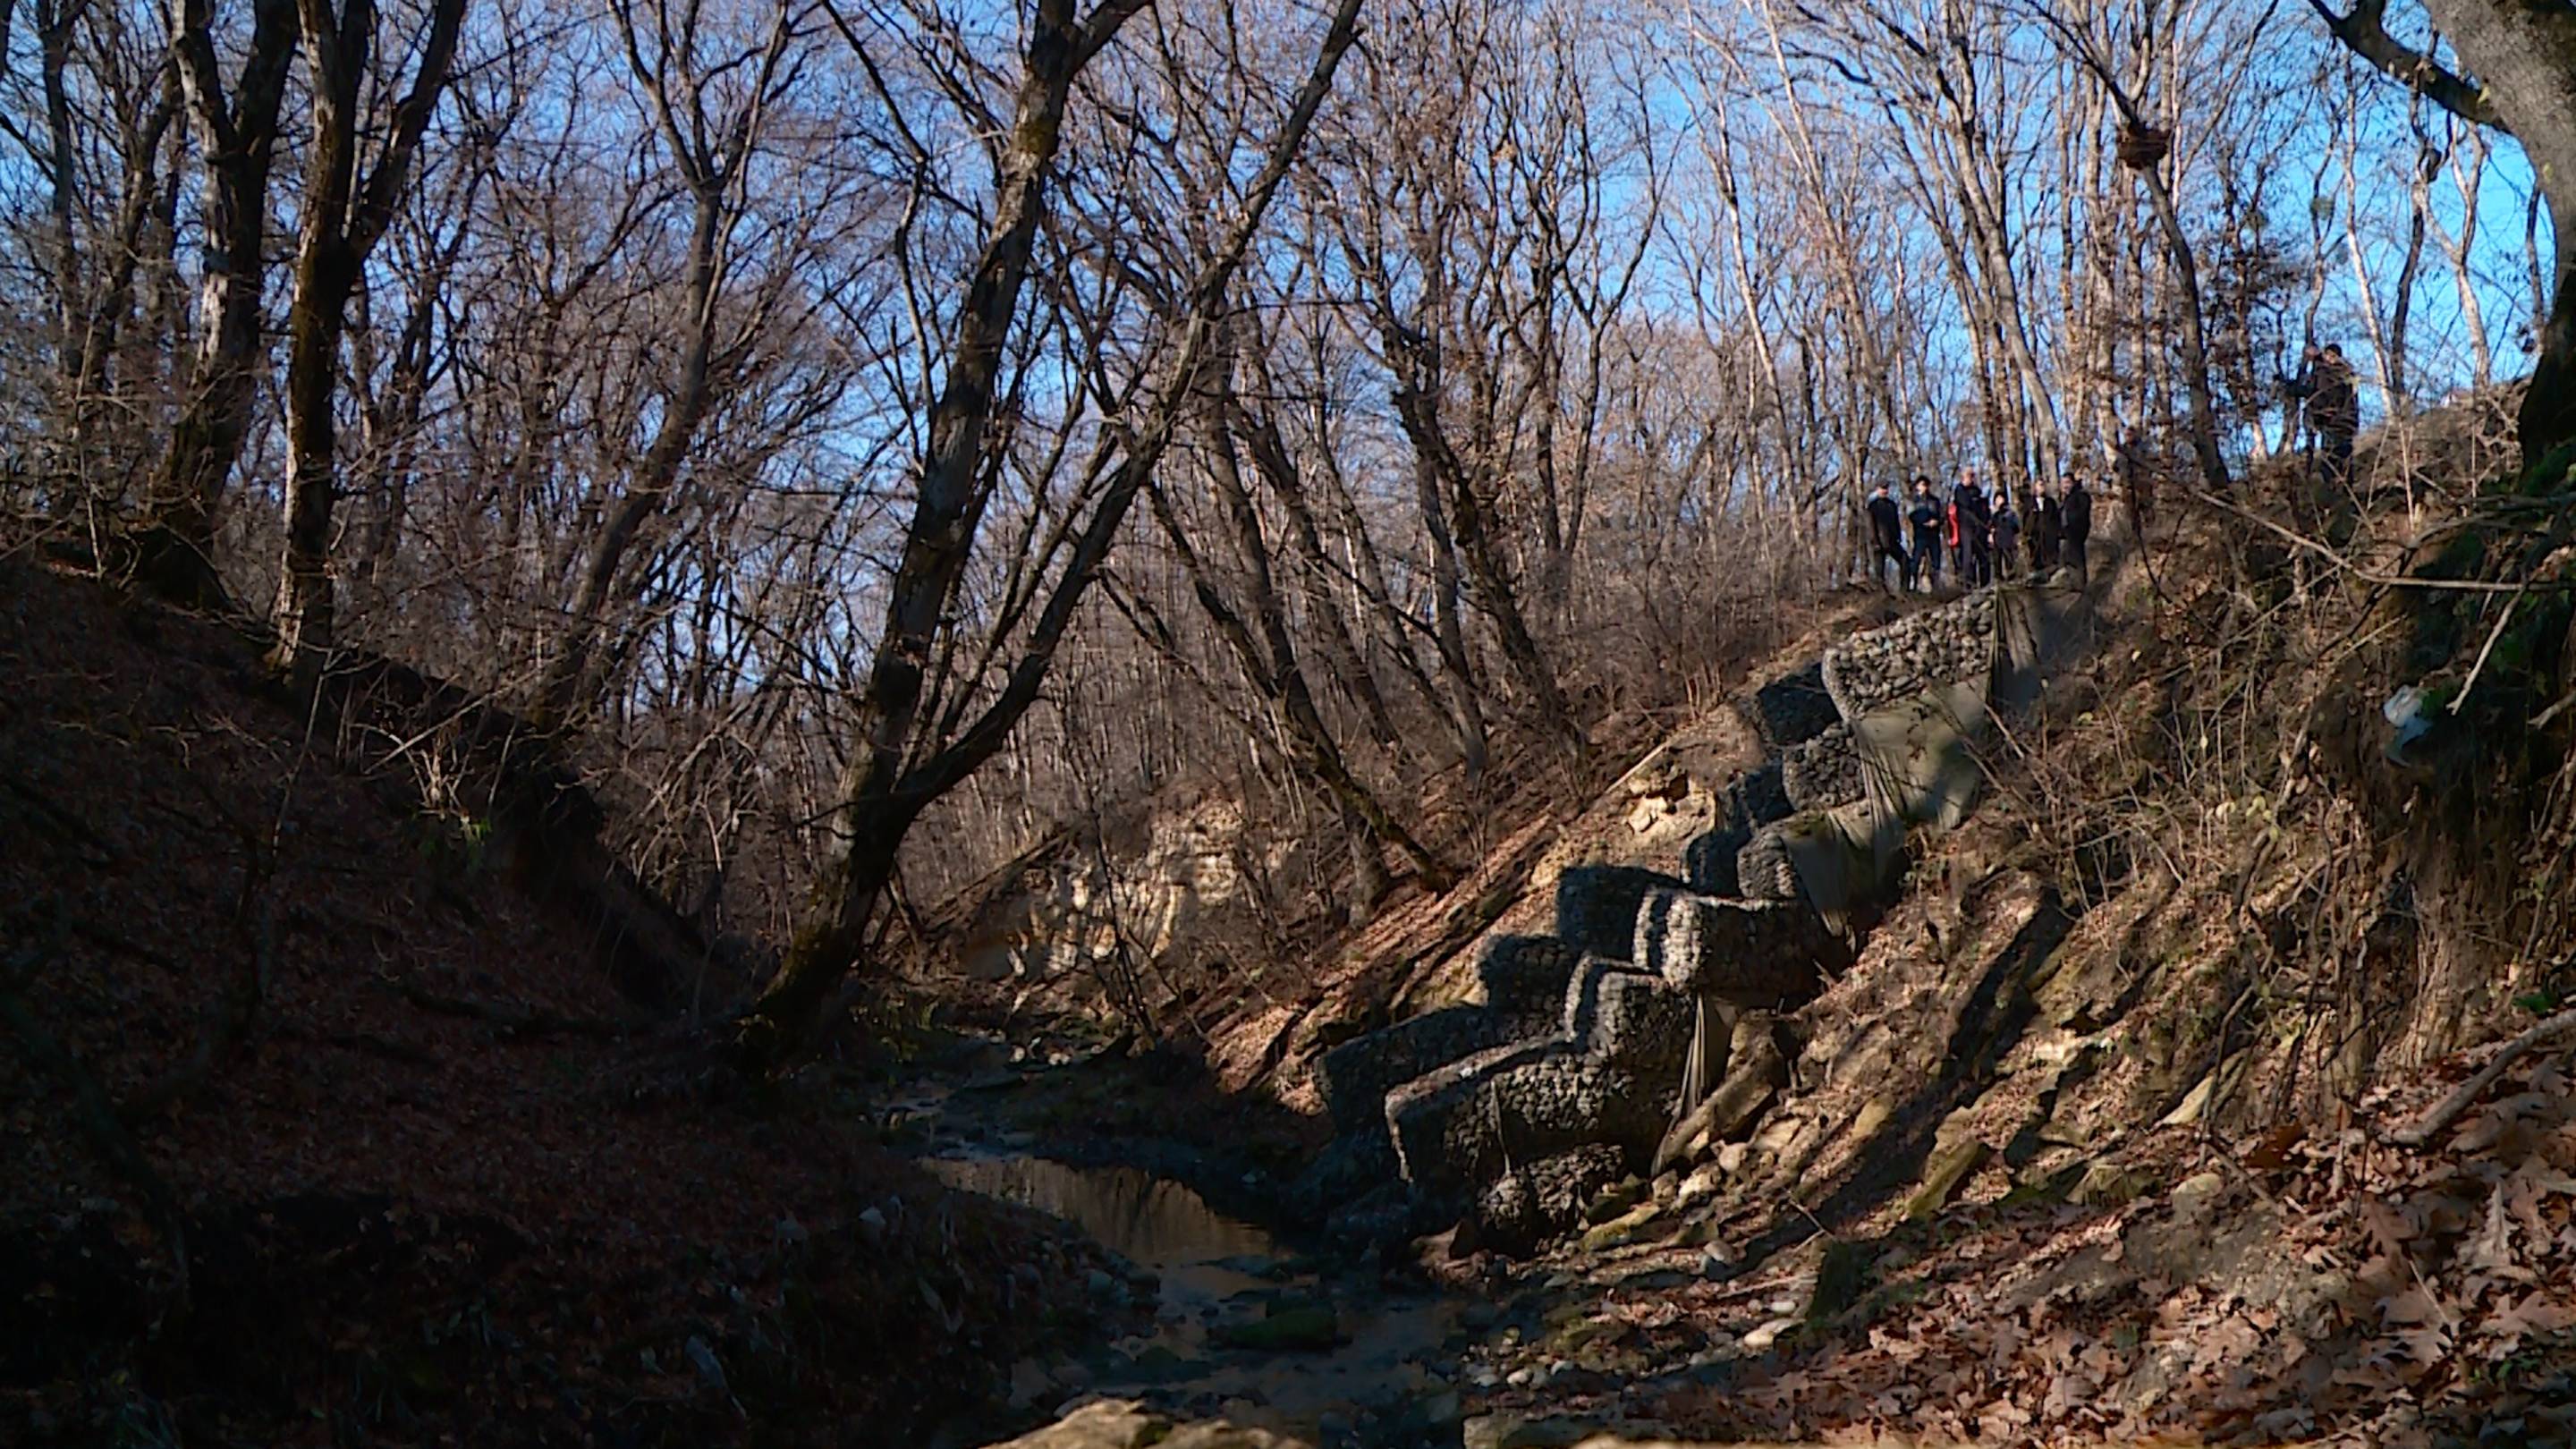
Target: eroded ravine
{"type": "Point", "coordinates": [1225, 1317]}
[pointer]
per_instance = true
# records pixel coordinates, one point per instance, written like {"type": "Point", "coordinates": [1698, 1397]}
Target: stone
{"type": "Point", "coordinates": [1349, 1167]}
{"type": "Point", "coordinates": [1629, 1019]}
{"type": "Point", "coordinates": [1708, 862]}
{"type": "Point", "coordinates": [1510, 1431]}
{"type": "Point", "coordinates": [2196, 1102]}
{"type": "Point", "coordinates": [1125, 1424]}
{"type": "Point", "coordinates": [1877, 667]}
{"type": "Point", "coordinates": [1873, 1115]}
{"type": "Point", "coordinates": [1615, 1199]}
{"type": "Point", "coordinates": [1354, 1078]}
{"type": "Point", "coordinates": [1528, 1205]}
{"type": "Point", "coordinates": [1755, 798]}
{"type": "Point", "coordinates": [1608, 1076]}
{"type": "Point", "coordinates": [1825, 771]}
{"type": "Point", "coordinates": [1791, 709]}
{"type": "Point", "coordinates": [1622, 1230]}
{"type": "Point", "coordinates": [2195, 1196]}
{"type": "Point", "coordinates": [1757, 1072]}
{"type": "Point", "coordinates": [1944, 1174]}
{"type": "Point", "coordinates": [1704, 1182]}
{"type": "Point", "coordinates": [1762, 953]}
{"type": "Point", "coordinates": [1596, 906]}
{"type": "Point", "coordinates": [1524, 976]}
{"type": "Point", "coordinates": [2107, 1184]}
{"type": "Point", "coordinates": [1761, 1339]}
{"type": "Point", "coordinates": [1029, 1383]}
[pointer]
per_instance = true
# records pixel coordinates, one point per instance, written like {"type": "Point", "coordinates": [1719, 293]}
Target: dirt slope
{"type": "Point", "coordinates": [318, 1129]}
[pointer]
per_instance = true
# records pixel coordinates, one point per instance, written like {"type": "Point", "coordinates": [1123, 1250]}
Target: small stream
{"type": "Point", "coordinates": [1243, 1326]}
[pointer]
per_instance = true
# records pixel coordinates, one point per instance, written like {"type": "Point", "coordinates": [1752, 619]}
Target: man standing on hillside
{"type": "Point", "coordinates": [2334, 410]}
{"type": "Point", "coordinates": [2075, 517]}
{"type": "Point", "coordinates": [2044, 535]}
{"type": "Point", "coordinates": [1925, 515]}
{"type": "Point", "coordinates": [1887, 540]}
{"type": "Point", "coordinates": [1970, 522]}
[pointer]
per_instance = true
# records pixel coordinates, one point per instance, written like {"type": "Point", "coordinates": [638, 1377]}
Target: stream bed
{"type": "Point", "coordinates": [1243, 1325]}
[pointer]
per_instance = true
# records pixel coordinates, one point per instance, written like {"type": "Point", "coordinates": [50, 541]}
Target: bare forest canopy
{"type": "Point", "coordinates": [872, 432]}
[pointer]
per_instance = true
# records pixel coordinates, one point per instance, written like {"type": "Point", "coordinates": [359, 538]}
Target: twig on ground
{"type": "Point", "coordinates": [2463, 1096]}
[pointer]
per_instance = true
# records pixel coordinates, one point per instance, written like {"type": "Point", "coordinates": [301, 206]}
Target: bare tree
{"type": "Point", "coordinates": [898, 767]}
{"type": "Point", "coordinates": [2517, 74]}
{"type": "Point", "coordinates": [237, 132]}
{"type": "Point", "coordinates": [347, 203]}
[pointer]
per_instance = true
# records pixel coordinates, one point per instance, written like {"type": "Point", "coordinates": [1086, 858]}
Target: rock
{"type": "Point", "coordinates": [711, 1374]}
{"type": "Point", "coordinates": [1122, 1424]}
{"type": "Point", "coordinates": [2195, 1103]}
{"type": "Point", "coordinates": [1825, 771]}
{"type": "Point", "coordinates": [2195, 1196]}
{"type": "Point", "coordinates": [1029, 1383]}
{"type": "Point", "coordinates": [1354, 1078]}
{"type": "Point", "coordinates": [2107, 1184]}
{"type": "Point", "coordinates": [1540, 1098]}
{"type": "Point", "coordinates": [1758, 1073]}
{"type": "Point", "coordinates": [1510, 1431]}
{"type": "Point", "coordinates": [1622, 1230]}
{"type": "Point", "coordinates": [1948, 1170]}
{"type": "Point", "coordinates": [1287, 1326]}
{"type": "Point", "coordinates": [1761, 1339]}
{"type": "Point", "coordinates": [1628, 1019]}
{"type": "Point", "coordinates": [1708, 862]}
{"type": "Point", "coordinates": [1526, 976]}
{"type": "Point", "coordinates": [1755, 953]}
{"type": "Point", "coordinates": [1596, 906]}
{"type": "Point", "coordinates": [1703, 1183]}
{"type": "Point", "coordinates": [1873, 1115]}
{"type": "Point", "coordinates": [1529, 1205]}
{"type": "Point", "coordinates": [1613, 1200]}
{"type": "Point", "coordinates": [872, 1226]}
{"type": "Point", "coordinates": [1791, 709]}
{"type": "Point", "coordinates": [1100, 1284]}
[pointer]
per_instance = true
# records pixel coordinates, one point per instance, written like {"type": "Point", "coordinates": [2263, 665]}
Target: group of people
{"type": "Point", "coordinates": [1981, 538]}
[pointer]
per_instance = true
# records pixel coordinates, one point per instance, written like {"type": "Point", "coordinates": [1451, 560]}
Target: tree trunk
{"type": "Point", "coordinates": [239, 140]}
{"type": "Point", "coordinates": [884, 787]}
{"type": "Point", "coordinates": [343, 220]}
{"type": "Point", "coordinates": [2522, 54]}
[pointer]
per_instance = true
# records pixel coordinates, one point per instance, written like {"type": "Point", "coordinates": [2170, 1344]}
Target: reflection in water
{"type": "Point", "coordinates": [1199, 1256]}
{"type": "Point", "coordinates": [1146, 1219]}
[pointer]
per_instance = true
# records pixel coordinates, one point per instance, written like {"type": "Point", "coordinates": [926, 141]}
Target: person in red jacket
{"type": "Point", "coordinates": [1951, 539]}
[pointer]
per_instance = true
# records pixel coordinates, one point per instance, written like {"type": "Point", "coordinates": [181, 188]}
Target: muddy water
{"type": "Point", "coordinates": [1364, 1366]}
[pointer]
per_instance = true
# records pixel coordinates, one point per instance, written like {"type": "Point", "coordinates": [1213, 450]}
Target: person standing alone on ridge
{"type": "Point", "coordinates": [1925, 516]}
{"type": "Point", "coordinates": [2334, 412]}
{"type": "Point", "coordinates": [1887, 540]}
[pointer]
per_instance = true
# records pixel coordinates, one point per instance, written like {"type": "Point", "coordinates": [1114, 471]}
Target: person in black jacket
{"type": "Point", "coordinates": [1925, 516]}
{"type": "Point", "coordinates": [1887, 540]}
{"type": "Point", "coordinates": [2334, 409]}
{"type": "Point", "coordinates": [2044, 535]}
{"type": "Point", "coordinates": [1976, 557]}
{"type": "Point", "coordinates": [2075, 519]}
